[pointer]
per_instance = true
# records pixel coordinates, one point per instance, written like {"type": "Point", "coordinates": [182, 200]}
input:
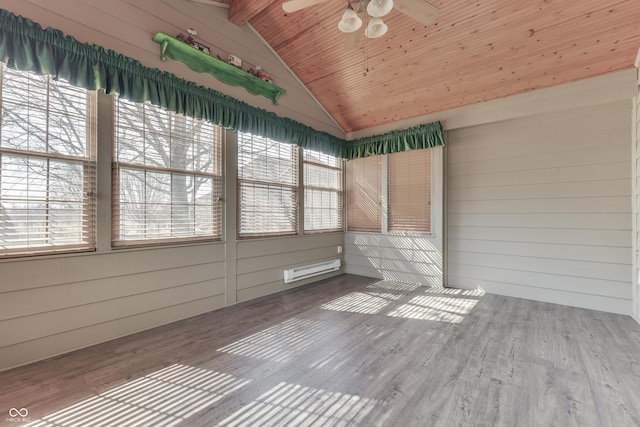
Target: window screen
{"type": "Point", "coordinates": [322, 192]}
{"type": "Point", "coordinates": [364, 206]}
{"type": "Point", "coordinates": [167, 179]}
{"type": "Point", "coordinates": [47, 165]}
{"type": "Point", "coordinates": [410, 192]}
{"type": "Point", "coordinates": [267, 187]}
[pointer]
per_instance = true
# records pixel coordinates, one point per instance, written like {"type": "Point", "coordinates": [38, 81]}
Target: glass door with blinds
{"type": "Point", "coordinates": [364, 194]}
{"type": "Point", "coordinates": [403, 180]}
{"type": "Point", "coordinates": [409, 192]}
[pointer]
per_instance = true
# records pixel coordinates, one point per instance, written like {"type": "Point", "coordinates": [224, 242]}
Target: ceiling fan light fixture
{"type": "Point", "coordinates": [379, 8]}
{"type": "Point", "coordinates": [350, 21]}
{"type": "Point", "coordinates": [376, 28]}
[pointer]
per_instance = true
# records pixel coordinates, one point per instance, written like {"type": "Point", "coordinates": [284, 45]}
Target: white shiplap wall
{"type": "Point", "coordinates": [54, 304]}
{"type": "Point", "coordinates": [51, 305]}
{"type": "Point", "coordinates": [260, 263]}
{"type": "Point", "coordinates": [412, 259]}
{"type": "Point", "coordinates": [540, 207]}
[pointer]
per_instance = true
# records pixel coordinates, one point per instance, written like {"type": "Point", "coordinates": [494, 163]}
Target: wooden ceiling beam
{"type": "Point", "coordinates": [241, 11]}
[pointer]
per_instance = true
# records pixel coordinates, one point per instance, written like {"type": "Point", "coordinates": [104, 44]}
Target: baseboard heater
{"type": "Point", "coordinates": [299, 273]}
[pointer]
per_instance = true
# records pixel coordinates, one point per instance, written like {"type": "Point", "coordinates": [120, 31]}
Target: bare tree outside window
{"type": "Point", "coordinates": [167, 176]}
{"type": "Point", "coordinates": [47, 165]}
{"type": "Point", "coordinates": [267, 187]}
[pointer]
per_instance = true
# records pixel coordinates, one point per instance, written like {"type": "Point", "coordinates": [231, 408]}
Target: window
{"type": "Point", "coordinates": [364, 207]}
{"type": "Point", "coordinates": [410, 192]}
{"type": "Point", "coordinates": [267, 187]}
{"type": "Point", "coordinates": [47, 165]}
{"type": "Point", "coordinates": [322, 192]}
{"type": "Point", "coordinates": [167, 179]}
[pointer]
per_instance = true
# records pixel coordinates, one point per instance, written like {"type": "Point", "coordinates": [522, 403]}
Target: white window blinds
{"type": "Point", "coordinates": [322, 192]}
{"type": "Point", "coordinates": [267, 187]}
{"type": "Point", "coordinates": [47, 165]}
{"type": "Point", "coordinates": [410, 192]}
{"type": "Point", "coordinates": [364, 206]}
{"type": "Point", "coordinates": [167, 179]}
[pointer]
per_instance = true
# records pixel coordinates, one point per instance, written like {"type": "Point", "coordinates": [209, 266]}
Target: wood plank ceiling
{"type": "Point", "coordinates": [475, 51]}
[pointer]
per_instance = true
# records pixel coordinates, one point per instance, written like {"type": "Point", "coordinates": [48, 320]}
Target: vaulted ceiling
{"type": "Point", "coordinates": [475, 51]}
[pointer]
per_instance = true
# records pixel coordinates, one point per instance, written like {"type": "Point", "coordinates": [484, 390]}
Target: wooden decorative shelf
{"type": "Point", "coordinates": [202, 63]}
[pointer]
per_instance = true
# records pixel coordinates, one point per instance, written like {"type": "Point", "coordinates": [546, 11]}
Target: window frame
{"type": "Point", "coordinates": [292, 187]}
{"type": "Point", "coordinates": [339, 192]}
{"type": "Point", "coordinates": [87, 162]}
{"type": "Point", "coordinates": [216, 176]}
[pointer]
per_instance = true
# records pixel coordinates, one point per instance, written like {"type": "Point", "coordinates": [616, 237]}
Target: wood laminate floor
{"type": "Point", "coordinates": [350, 351]}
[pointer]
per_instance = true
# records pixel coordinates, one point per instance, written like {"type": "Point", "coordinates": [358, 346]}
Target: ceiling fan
{"type": "Point", "coordinates": [420, 11]}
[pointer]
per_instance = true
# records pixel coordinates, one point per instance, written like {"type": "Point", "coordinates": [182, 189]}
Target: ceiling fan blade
{"type": "Point", "coordinates": [418, 10]}
{"type": "Point", "coordinates": [295, 5]}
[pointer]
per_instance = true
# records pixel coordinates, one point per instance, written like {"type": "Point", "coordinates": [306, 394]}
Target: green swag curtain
{"type": "Point", "coordinates": [415, 138]}
{"type": "Point", "coordinates": [26, 46]}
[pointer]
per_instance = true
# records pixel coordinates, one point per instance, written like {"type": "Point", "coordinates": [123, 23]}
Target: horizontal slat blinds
{"type": "Point", "coordinates": [47, 165]}
{"type": "Point", "coordinates": [167, 178]}
{"type": "Point", "coordinates": [322, 192]}
{"type": "Point", "coordinates": [410, 192]}
{"type": "Point", "coordinates": [364, 206]}
{"type": "Point", "coordinates": [267, 187]}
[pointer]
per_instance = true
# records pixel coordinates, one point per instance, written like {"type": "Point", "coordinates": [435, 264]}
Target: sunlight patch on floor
{"type": "Point", "coordinates": [441, 309]}
{"type": "Point", "coordinates": [293, 405]}
{"type": "Point", "coordinates": [278, 343]}
{"type": "Point", "coordinates": [361, 302]}
{"type": "Point", "coordinates": [163, 398]}
{"type": "Point", "coordinates": [394, 286]}
{"type": "Point", "coordinates": [454, 291]}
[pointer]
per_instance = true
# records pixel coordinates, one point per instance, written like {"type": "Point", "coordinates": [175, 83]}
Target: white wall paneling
{"type": "Point", "coordinates": [539, 207]}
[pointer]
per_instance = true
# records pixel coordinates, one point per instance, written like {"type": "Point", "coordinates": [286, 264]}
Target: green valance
{"type": "Point", "coordinates": [415, 138]}
{"type": "Point", "coordinates": [25, 45]}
